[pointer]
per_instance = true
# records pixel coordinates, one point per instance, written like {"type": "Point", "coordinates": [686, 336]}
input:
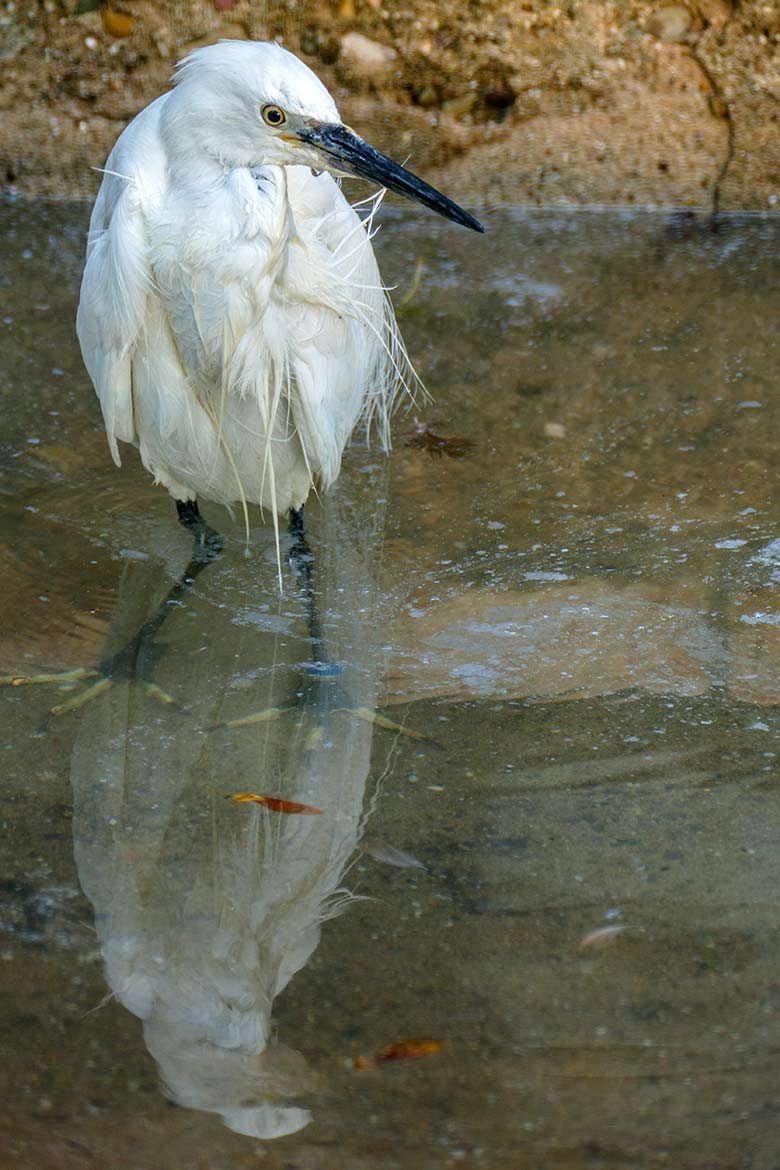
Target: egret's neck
{"type": "Point", "coordinates": [201, 144]}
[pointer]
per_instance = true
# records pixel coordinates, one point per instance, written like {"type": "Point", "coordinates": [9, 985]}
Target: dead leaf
{"type": "Point", "coordinates": [424, 439]}
{"type": "Point", "coordinates": [275, 803]}
{"type": "Point", "coordinates": [401, 1050]}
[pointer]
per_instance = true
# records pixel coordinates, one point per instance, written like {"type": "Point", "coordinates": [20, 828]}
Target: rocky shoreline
{"type": "Point", "coordinates": [519, 101]}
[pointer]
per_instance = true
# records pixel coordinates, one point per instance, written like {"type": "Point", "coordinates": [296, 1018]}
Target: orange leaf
{"type": "Point", "coordinates": [402, 1050]}
{"type": "Point", "coordinates": [274, 803]}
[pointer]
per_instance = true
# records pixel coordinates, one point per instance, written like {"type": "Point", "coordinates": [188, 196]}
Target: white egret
{"type": "Point", "coordinates": [232, 315]}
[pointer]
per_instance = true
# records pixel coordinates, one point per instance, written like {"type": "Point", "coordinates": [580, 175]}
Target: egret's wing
{"type": "Point", "coordinates": [341, 335]}
{"type": "Point", "coordinates": [111, 311]}
{"type": "Point", "coordinates": [329, 371]}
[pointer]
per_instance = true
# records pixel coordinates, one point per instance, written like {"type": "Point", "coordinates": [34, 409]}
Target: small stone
{"type": "Point", "coordinates": [554, 430]}
{"type": "Point", "coordinates": [310, 41]}
{"type": "Point", "coordinates": [365, 57]}
{"type": "Point", "coordinates": [458, 106]}
{"type": "Point", "coordinates": [428, 97]}
{"type": "Point", "coordinates": [225, 32]}
{"type": "Point", "coordinates": [117, 24]}
{"type": "Point", "coordinates": [716, 13]}
{"type": "Point", "coordinates": [672, 23]}
{"type": "Point", "coordinates": [718, 107]}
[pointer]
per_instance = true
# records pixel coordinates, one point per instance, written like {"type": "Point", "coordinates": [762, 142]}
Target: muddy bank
{"type": "Point", "coordinates": [527, 102]}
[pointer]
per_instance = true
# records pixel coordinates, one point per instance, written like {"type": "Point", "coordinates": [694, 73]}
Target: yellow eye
{"type": "Point", "coordinates": [273, 116]}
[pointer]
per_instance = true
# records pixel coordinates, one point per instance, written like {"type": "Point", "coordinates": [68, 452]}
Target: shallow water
{"type": "Point", "coordinates": [580, 616]}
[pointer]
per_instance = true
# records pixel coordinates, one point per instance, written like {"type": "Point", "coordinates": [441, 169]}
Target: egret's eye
{"type": "Point", "coordinates": [273, 116]}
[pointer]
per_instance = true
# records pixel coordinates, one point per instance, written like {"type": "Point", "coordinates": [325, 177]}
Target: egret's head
{"type": "Point", "coordinates": [249, 103]}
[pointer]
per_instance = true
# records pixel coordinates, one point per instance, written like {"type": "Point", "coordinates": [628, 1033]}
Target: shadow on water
{"type": "Point", "coordinates": [572, 588]}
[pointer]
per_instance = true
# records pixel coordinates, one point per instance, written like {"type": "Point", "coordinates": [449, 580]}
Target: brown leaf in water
{"type": "Point", "coordinates": [424, 439]}
{"type": "Point", "coordinates": [401, 1050]}
{"type": "Point", "coordinates": [275, 803]}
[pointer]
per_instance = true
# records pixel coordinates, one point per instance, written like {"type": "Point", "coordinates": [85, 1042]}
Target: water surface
{"type": "Point", "coordinates": [578, 617]}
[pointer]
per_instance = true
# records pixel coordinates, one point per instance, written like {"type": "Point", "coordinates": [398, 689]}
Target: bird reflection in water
{"type": "Point", "coordinates": [205, 909]}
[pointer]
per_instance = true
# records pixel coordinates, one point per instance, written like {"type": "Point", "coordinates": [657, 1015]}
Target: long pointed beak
{"type": "Point", "coordinates": [348, 154]}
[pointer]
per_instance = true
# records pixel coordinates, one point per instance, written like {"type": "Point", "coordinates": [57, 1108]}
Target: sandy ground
{"type": "Point", "coordinates": [500, 101]}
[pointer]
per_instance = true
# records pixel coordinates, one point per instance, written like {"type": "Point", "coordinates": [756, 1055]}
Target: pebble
{"type": "Point", "coordinates": [458, 106]}
{"type": "Point", "coordinates": [428, 97]}
{"type": "Point", "coordinates": [555, 430]}
{"type": "Point", "coordinates": [671, 23]}
{"type": "Point", "coordinates": [117, 24]}
{"type": "Point", "coordinates": [365, 57]}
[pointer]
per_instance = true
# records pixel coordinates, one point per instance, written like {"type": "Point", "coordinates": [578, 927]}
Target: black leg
{"type": "Point", "coordinates": [138, 655]}
{"type": "Point", "coordinates": [137, 658]}
{"type": "Point", "coordinates": [301, 560]}
{"type": "Point", "coordinates": [208, 544]}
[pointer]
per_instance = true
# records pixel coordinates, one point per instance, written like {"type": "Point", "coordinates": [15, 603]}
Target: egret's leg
{"type": "Point", "coordinates": [207, 544]}
{"type": "Point", "coordinates": [322, 671]}
{"type": "Point", "coordinates": [322, 690]}
{"type": "Point", "coordinates": [139, 652]}
{"type": "Point", "coordinates": [301, 561]}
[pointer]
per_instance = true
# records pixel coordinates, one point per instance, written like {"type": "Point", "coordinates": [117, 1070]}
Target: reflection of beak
{"type": "Point", "coordinates": [350, 155]}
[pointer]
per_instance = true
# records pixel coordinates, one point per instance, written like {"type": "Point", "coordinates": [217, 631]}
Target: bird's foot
{"type": "Point", "coordinates": [267, 715]}
{"type": "Point", "coordinates": [99, 679]}
{"type": "Point", "coordinates": [366, 714]}
{"type": "Point", "coordinates": [370, 715]}
{"type": "Point", "coordinates": [64, 677]}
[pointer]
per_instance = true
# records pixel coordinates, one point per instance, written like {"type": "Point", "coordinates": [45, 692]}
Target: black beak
{"type": "Point", "coordinates": [348, 153]}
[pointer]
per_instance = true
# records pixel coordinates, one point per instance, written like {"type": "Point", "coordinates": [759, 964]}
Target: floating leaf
{"type": "Point", "coordinates": [402, 1050]}
{"type": "Point", "coordinates": [389, 855]}
{"type": "Point", "coordinates": [425, 440]}
{"type": "Point", "coordinates": [275, 803]}
{"type": "Point", "coordinates": [601, 936]}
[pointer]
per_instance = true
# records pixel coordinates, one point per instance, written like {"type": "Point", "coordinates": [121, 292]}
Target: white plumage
{"type": "Point", "coordinates": [232, 316]}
